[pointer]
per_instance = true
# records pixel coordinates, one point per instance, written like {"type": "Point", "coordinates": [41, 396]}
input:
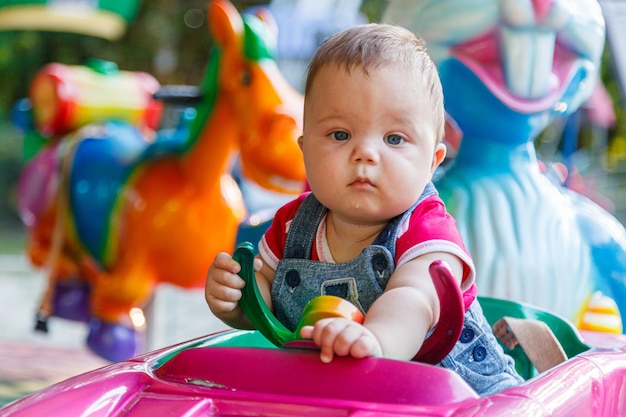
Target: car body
{"type": "Point", "coordinates": [241, 373]}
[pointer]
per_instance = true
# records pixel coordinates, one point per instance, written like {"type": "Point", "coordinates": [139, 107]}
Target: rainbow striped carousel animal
{"type": "Point", "coordinates": [508, 68]}
{"type": "Point", "coordinates": [127, 211]}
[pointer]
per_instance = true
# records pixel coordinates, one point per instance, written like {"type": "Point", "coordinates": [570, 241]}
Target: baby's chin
{"type": "Point", "coordinates": [367, 207]}
{"type": "Point", "coordinates": [366, 215]}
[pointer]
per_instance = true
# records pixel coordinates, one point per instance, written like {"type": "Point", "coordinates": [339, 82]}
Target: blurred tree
{"type": "Point", "coordinates": [373, 9]}
{"type": "Point", "coordinates": [10, 165]}
{"type": "Point", "coordinates": [617, 146]}
{"type": "Point", "coordinates": [168, 39]}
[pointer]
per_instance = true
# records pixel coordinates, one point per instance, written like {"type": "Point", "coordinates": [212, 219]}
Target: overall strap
{"type": "Point", "coordinates": [301, 233]}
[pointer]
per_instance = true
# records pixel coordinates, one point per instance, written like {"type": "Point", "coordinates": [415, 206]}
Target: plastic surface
{"type": "Point", "coordinates": [67, 97]}
{"type": "Point", "coordinates": [434, 349]}
{"type": "Point", "coordinates": [450, 324]}
{"type": "Point", "coordinates": [569, 337]}
{"type": "Point", "coordinates": [252, 302]}
{"type": "Point", "coordinates": [348, 379]}
{"type": "Point", "coordinates": [234, 373]}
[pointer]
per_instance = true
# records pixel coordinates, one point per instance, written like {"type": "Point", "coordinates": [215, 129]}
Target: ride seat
{"type": "Point", "coordinates": [564, 330]}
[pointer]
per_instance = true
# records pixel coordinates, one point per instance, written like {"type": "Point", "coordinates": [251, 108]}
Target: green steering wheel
{"type": "Point", "coordinates": [434, 349]}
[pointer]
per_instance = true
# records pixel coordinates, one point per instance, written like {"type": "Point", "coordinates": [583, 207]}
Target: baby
{"type": "Point", "coordinates": [373, 222]}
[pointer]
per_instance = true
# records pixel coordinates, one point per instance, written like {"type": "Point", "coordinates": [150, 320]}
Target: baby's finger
{"type": "Point", "coordinates": [258, 264]}
{"type": "Point", "coordinates": [226, 262]}
{"type": "Point", "coordinates": [365, 346]}
{"type": "Point", "coordinates": [218, 279]}
{"type": "Point", "coordinates": [325, 335]}
{"type": "Point", "coordinates": [227, 294]}
{"type": "Point", "coordinates": [306, 332]}
{"type": "Point", "coordinates": [346, 338]}
{"type": "Point", "coordinates": [326, 354]}
{"type": "Point", "coordinates": [324, 343]}
{"type": "Point", "coordinates": [218, 306]}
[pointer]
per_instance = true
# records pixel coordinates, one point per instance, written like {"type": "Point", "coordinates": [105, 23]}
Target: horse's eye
{"type": "Point", "coordinates": [246, 78]}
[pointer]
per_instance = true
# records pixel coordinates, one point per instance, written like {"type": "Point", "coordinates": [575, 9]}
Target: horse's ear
{"type": "Point", "coordinates": [267, 17]}
{"type": "Point", "coordinates": [225, 23]}
{"type": "Point", "coordinates": [453, 136]}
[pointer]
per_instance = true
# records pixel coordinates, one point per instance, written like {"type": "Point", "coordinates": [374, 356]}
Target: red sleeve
{"type": "Point", "coordinates": [272, 244]}
{"type": "Point", "coordinates": [431, 228]}
{"type": "Point", "coordinates": [429, 221]}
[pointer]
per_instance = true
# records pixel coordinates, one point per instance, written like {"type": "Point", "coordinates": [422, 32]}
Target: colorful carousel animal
{"type": "Point", "coordinates": [508, 68]}
{"type": "Point", "coordinates": [128, 212]}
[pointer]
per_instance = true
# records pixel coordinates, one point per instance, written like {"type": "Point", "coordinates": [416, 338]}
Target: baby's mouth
{"type": "Point", "coordinates": [362, 182]}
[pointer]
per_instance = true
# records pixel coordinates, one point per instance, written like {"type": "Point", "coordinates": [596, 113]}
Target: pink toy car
{"type": "Point", "coordinates": [242, 373]}
{"type": "Point", "coordinates": [237, 373]}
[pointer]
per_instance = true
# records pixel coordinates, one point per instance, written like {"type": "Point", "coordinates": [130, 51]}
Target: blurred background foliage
{"type": "Point", "coordinates": [169, 40]}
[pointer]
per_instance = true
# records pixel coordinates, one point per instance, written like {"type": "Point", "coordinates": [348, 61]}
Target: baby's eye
{"type": "Point", "coordinates": [394, 139]}
{"type": "Point", "coordinates": [340, 135]}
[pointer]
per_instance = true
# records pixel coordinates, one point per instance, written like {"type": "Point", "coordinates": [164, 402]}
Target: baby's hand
{"type": "Point", "coordinates": [223, 285]}
{"type": "Point", "coordinates": [342, 337]}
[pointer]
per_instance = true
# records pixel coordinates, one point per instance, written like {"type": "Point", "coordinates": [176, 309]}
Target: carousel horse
{"type": "Point", "coordinates": [128, 211]}
{"type": "Point", "coordinates": [509, 68]}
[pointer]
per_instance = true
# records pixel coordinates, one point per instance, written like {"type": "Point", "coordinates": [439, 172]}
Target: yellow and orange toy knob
{"type": "Point", "coordinates": [600, 314]}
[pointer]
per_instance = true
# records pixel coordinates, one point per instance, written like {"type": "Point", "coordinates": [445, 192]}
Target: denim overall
{"type": "Point", "coordinates": [476, 357]}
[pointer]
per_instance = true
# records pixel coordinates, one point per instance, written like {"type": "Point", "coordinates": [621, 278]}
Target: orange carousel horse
{"type": "Point", "coordinates": [127, 212]}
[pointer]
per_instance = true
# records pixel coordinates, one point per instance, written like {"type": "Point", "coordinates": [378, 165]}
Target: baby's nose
{"type": "Point", "coordinates": [365, 150]}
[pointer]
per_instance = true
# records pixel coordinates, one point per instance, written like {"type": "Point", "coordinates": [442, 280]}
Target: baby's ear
{"type": "Point", "coordinates": [300, 142]}
{"type": "Point", "coordinates": [439, 156]}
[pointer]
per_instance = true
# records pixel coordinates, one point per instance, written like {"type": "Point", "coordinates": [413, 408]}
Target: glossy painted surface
{"type": "Point", "coordinates": [67, 97]}
{"type": "Point", "coordinates": [133, 210]}
{"type": "Point", "coordinates": [216, 376]}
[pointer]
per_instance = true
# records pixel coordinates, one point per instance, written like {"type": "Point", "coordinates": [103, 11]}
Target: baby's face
{"type": "Point", "coordinates": [369, 142]}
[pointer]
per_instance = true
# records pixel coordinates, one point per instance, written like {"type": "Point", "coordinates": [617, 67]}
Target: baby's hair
{"type": "Point", "coordinates": [374, 45]}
